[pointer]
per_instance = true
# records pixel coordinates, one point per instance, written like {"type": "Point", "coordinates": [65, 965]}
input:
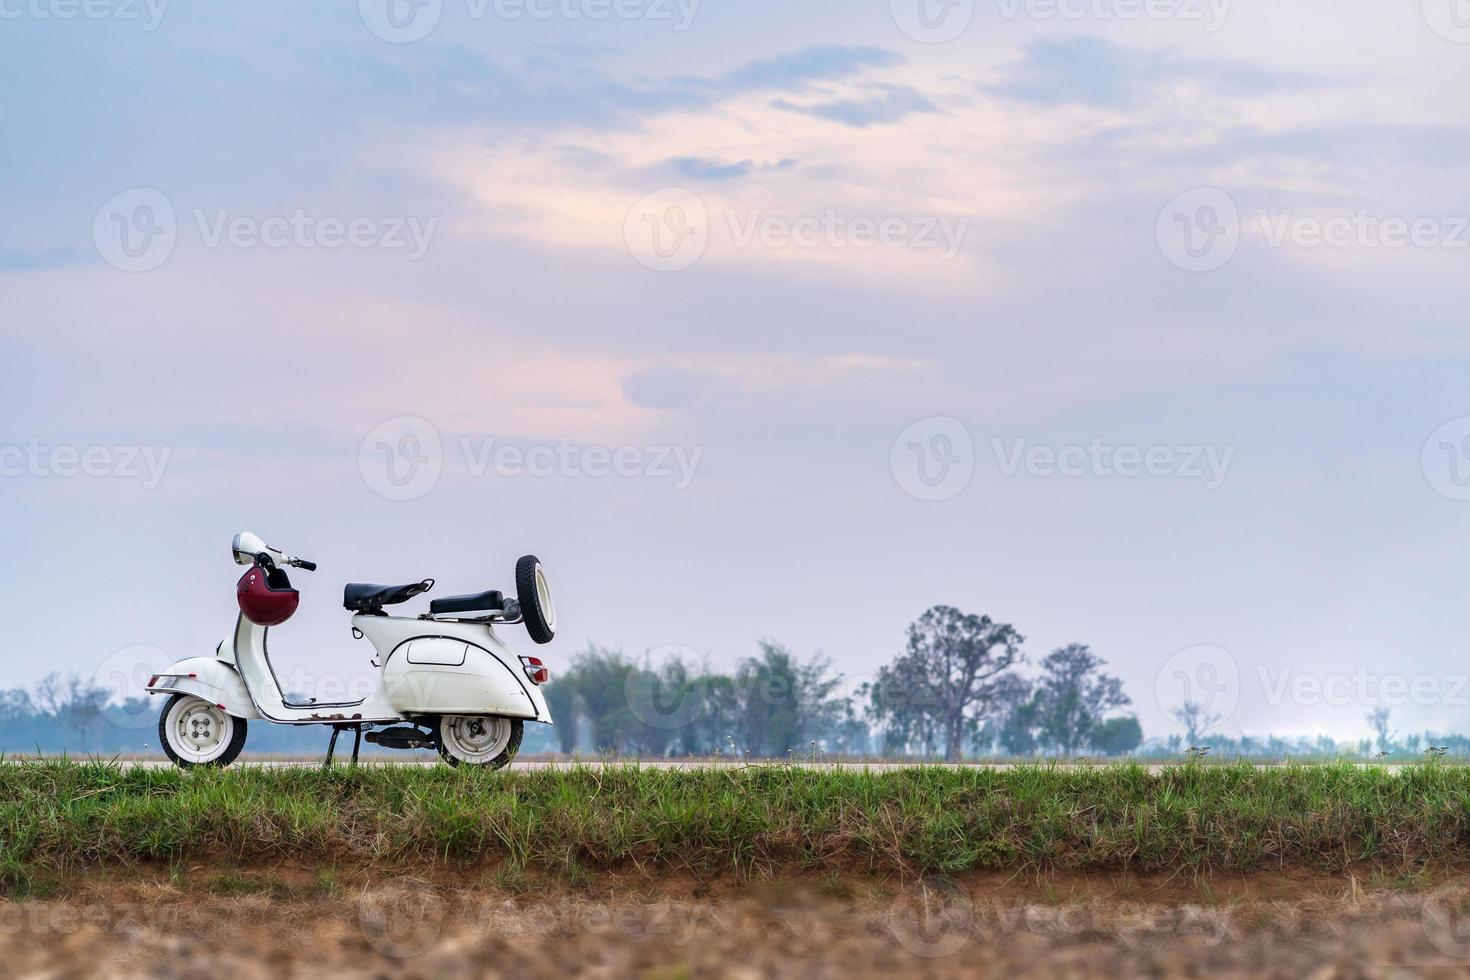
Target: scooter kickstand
{"type": "Point", "coordinates": [356, 742]}
{"type": "Point", "coordinates": [331, 747]}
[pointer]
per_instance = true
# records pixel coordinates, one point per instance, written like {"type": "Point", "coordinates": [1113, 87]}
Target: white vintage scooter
{"type": "Point", "coordinates": [447, 680]}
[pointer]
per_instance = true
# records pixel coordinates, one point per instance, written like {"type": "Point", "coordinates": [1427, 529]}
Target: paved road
{"type": "Point", "coordinates": [427, 760]}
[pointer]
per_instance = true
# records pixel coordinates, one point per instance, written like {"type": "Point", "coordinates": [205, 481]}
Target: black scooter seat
{"type": "Point", "coordinates": [366, 598]}
{"type": "Point", "coordinates": [479, 602]}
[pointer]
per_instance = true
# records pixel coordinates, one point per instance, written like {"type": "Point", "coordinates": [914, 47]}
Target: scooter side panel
{"type": "Point", "coordinates": [482, 685]}
{"type": "Point", "coordinates": [490, 675]}
{"type": "Point", "coordinates": [208, 678]}
{"type": "Point", "coordinates": [439, 651]}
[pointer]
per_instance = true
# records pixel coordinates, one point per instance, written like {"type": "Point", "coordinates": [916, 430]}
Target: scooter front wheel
{"type": "Point", "coordinates": [194, 732]}
{"type": "Point", "coordinates": [466, 740]}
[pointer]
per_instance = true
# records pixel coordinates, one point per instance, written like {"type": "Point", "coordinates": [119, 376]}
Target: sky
{"type": "Point", "coordinates": [1134, 323]}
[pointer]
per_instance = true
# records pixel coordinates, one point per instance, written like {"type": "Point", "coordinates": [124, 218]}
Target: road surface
{"type": "Point", "coordinates": [533, 765]}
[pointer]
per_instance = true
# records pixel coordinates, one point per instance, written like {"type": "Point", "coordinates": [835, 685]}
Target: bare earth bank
{"type": "Point", "coordinates": [297, 922]}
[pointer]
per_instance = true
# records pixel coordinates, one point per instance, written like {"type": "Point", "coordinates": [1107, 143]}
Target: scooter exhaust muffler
{"type": "Point", "coordinates": [402, 737]}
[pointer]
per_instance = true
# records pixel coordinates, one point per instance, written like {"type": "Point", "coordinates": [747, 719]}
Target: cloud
{"type": "Point", "coordinates": [696, 168]}
{"type": "Point", "coordinates": [743, 152]}
{"type": "Point", "coordinates": [896, 103]}
{"type": "Point", "coordinates": [796, 70]}
{"type": "Point", "coordinates": [669, 387]}
{"type": "Point", "coordinates": [708, 169]}
{"type": "Point", "coordinates": [1434, 147]}
{"type": "Point", "coordinates": [1095, 72]}
{"type": "Point", "coordinates": [463, 85]}
{"type": "Point", "coordinates": [17, 260]}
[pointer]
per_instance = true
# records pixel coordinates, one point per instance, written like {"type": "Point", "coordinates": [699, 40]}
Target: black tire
{"type": "Point", "coordinates": [232, 750]}
{"type": "Point", "coordinates": [539, 619]}
{"type": "Point", "coordinates": [517, 730]}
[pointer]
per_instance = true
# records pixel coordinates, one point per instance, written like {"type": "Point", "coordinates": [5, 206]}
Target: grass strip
{"type": "Point", "coordinates": [63, 818]}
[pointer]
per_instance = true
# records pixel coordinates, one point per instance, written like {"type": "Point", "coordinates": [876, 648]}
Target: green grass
{"type": "Point", "coordinates": [61, 818]}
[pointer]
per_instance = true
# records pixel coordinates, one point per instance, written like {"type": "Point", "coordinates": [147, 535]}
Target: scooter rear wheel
{"type": "Point", "coordinates": [466, 740]}
{"type": "Point", "coordinates": [194, 732]}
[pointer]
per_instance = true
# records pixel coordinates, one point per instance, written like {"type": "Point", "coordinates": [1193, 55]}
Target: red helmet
{"type": "Point", "coordinates": [266, 596]}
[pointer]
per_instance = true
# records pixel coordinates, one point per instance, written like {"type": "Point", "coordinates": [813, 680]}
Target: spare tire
{"type": "Point", "coordinates": [538, 611]}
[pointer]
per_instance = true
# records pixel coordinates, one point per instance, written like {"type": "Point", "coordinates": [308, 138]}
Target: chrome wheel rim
{"type": "Point", "coordinates": [543, 599]}
{"type": "Point", "coordinates": [198, 731]}
{"type": "Point", "coordinates": [476, 740]}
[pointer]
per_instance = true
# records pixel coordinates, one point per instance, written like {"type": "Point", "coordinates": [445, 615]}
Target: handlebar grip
{"type": "Point", "coordinates": [310, 566]}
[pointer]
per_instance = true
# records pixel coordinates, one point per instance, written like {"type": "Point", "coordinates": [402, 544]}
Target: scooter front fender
{"type": "Point", "coordinates": [209, 678]}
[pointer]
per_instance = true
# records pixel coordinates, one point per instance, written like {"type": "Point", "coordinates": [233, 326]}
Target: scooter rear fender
{"type": "Point", "coordinates": [451, 668]}
{"type": "Point", "coordinates": [209, 678]}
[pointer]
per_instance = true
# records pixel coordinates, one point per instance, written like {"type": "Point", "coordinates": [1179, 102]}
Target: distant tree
{"type": "Point", "coordinates": [76, 703]}
{"type": "Point", "coordinates": [49, 694]}
{"type": "Point", "coordinates": [1117, 736]}
{"type": "Point", "coordinates": [904, 712]}
{"type": "Point", "coordinates": [774, 705]}
{"type": "Point", "coordinates": [1017, 716]}
{"type": "Point", "coordinates": [717, 722]}
{"type": "Point", "coordinates": [16, 716]}
{"type": "Point", "coordinates": [1072, 696]}
{"type": "Point", "coordinates": [781, 702]}
{"type": "Point", "coordinates": [669, 700]}
{"type": "Point", "coordinates": [1196, 720]}
{"type": "Point", "coordinates": [672, 698]}
{"type": "Point", "coordinates": [769, 719]}
{"type": "Point", "coordinates": [15, 704]}
{"type": "Point", "coordinates": [1378, 721]}
{"type": "Point", "coordinates": [845, 732]}
{"type": "Point", "coordinates": [561, 698]}
{"type": "Point", "coordinates": [948, 672]}
{"type": "Point", "coordinates": [602, 680]}
{"type": "Point", "coordinates": [1458, 744]}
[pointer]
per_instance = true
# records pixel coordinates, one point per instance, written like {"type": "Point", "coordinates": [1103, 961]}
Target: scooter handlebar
{"type": "Point", "coordinates": [268, 560]}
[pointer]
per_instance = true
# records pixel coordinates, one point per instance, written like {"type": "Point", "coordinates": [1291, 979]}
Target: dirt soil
{"type": "Point", "coordinates": [295, 922]}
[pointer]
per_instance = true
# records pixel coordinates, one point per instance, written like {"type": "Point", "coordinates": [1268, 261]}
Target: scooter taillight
{"type": "Point", "coordinates": [536, 670]}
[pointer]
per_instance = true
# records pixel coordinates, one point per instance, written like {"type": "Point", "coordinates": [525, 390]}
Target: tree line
{"type": "Point", "coordinates": [74, 714]}
{"type": "Point", "coordinates": [956, 690]}
{"type": "Point", "coordinates": [961, 687]}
